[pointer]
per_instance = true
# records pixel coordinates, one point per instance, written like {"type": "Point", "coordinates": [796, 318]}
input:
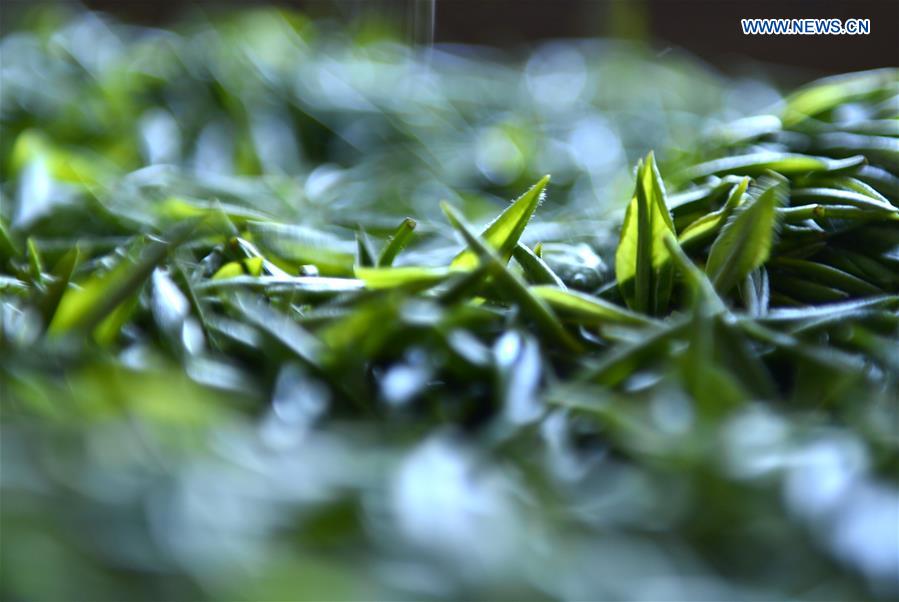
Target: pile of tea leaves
{"type": "Point", "coordinates": [266, 331]}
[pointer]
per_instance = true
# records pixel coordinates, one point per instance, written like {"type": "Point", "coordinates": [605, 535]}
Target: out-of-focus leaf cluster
{"type": "Point", "coordinates": [246, 356]}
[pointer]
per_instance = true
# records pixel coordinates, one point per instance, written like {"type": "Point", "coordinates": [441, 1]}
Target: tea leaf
{"type": "Point", "coordinates": [642, 261]}
{"type": "Point", "coordinates": [84, 307]}
{"type": "Point", "coordinates": [624, 359]}
{"type": "Point", "coordinates": [849, 184]}
{"type": "Point", "coordinates": [833, 196]}
{"type": "Point", "coordinates": [291, 246]}
{"type": "Point", "coordinates": [314, 285]}
{"type": "Point", "coordinates": [756, 292]}
{"type": "Point", "coordinates": [827, 93]}
{"type": "Point", "coordinates": [745, 241]}
{"type": "Point", "coordinates": [706, 300]}
{"type": "Point", "coordinates": [365, 253]}
{"type": "Point", "coordinates": [35, 263]}
{"type": "Point", "coordinates": [388, 277]}
{"type": "Point", "coordinates": [833, 310]}
{"type": "Point", "coordinates": [503, 232]}
{"type": "Point", "coordinates": [535, 268]}
{"type": "Point", "coordinates": [397, 242]}
{"type": "Point", "coordinates": [709, 224]}
{"type": "Point", "coordinates": [757, 164]}
{"type": "Point", "coordinates": [517, 290]}
{"type": "Point", "coordinates": [584, 308]}
{"type": "Point", "coordinates": [828, 275]}
{"type": "Point", "coordinates": [7, 247]}
{"type": "Point", "coordinates": [280, 328]}
{"type": "Point", "coordinates": [62, 275]}
{"type": "Point", "coordinates": [801, 213]}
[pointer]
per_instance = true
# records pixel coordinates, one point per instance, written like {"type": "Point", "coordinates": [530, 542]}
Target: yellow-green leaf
{"type": "Point", "coordinates": [642, 265]}
{"type": "Point", "coordinates": [708, 224]}
{"type": "Point", "coordinates": [585, 308]}
{"type": "Point", "coordinates": [85, 307]}
{"type": "Point", "coordinates": [389, 277]}
{"type": "Point", "coordinates": [824, 94]}
{"type": "Point", "coordinates": [789, 164]}
{"type": "Point", "coordinates": [503, 233]}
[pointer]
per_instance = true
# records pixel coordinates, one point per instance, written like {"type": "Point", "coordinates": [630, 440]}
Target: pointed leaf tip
{"type": "Point", "coordinates": [642, 266]}
{"type": "Point", "coordinates": [502, 233]}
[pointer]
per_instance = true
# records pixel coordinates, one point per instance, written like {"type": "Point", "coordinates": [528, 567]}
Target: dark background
{"type": "Point", "coordinates": [709, 28]}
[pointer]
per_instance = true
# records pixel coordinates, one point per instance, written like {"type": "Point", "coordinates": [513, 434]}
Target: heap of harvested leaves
{"type": "Point", "coordinates": [230, 368]}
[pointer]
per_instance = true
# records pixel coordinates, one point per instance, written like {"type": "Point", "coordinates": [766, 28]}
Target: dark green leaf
{"type": "Point", "coordinates": [534, 268]}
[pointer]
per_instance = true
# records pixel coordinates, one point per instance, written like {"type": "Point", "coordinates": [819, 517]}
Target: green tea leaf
{"type": "Point", "coordinates": [291, 246]}
{"type": "Point", "coordinates": [807, 291]}
{"type": "Point", "coordinates": [622, 360]}
{"type": "Point", "coordinates": [365, 252]}
{"type": "Point", "coordinates": [745, 241]}
{"type": "Point", "coordinates": [84, 307]}
{"type": "Point", "coordinates": [107, 296]}
{"type": "Point", "coordinates": [35, 262]}
{"type": "Point", "coordinates": [815, 211]}
{"type": "Point", "coordinates": [534, 268]}
{"type": "Point", "coordinates": [825, 94]}
{"type": "Point", "coordinates": [847, 183]}
{"type": "Point", "coordinates": [280, 328]}
{"type": "Point", "coordinates": [512, 284]}
{"type": "Point", "coordinates": [312, 285]}
{"type": "Point", "coordinates": [7, 247]}
{"type": "Point", "coordinates": [62, 275]}
{"type": "Point", "coordinates": [251, 266]}
{"type": "Point", "coordinates": [179, 208]}
{"type": "Point", "coordinates": [705, 299]}
{"type": "Point", "coordinates": [709, 224]}
{"type": "Point", "coordinates": [642, 266]}
{"type": "Point", "coordinates": [788, 164]}
{"type": "Point", "coordinates": [706, 378]}
{"type": "Point", "coordinates": [584, 308]}
{"type": "Point", "coordinates": [756, 292]}
{"type": "Point", "coordinates": [503, 232]}
{"type": "Point", "coordinates": [255, 263]}
{"type": "Point", "coordinates": [397, 242]}
{"type": "Point", "coordinates": [389, 277]}
{"type": "Point", "coordinates": [833, 310]}
{"type": "Point", "coordinates": [833, 196]}
{"type": "Point", "coordinates": [829, 275]}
